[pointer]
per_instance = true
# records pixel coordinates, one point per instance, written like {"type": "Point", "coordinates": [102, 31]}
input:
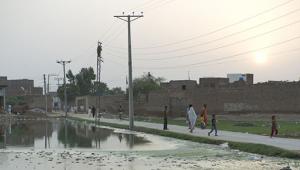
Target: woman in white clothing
{"type": "Point", "coordinates": [192, 117]}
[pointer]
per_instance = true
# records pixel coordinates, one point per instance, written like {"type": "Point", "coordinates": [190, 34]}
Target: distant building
{"type": "Point", "coordinates": [213, 82]}
{"type": "Point", "coordinates": [3, 85]}
{"type": "Point", "coordinates": [56, 102]}
{"type": "Point", "coordinates": [180, 84]}
{"type": "Point", "coordinates": [247, 78]}
{"type": "Point", "coordinates": [21, 87]}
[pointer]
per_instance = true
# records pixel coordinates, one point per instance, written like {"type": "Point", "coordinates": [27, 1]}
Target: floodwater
{"type": "Point", "coordinates": [64, 144]}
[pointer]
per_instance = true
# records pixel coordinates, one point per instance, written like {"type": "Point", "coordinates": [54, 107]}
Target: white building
{"type": "Point", "coordinates": [248, 78]}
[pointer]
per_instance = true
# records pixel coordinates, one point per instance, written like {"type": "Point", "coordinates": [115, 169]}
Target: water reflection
{"type": "Point", "coordinates": [23, 133]}
{"type": "Point", "coordinates": [90, 136]}
{"type": "Point", "coordinates": [64, 134]}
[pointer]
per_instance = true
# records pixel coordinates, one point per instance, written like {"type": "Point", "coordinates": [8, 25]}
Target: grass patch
{"type": "Point", "coordinates": [245, 147]}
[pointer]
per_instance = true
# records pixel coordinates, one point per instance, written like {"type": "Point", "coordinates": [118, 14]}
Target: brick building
{"type": "Point", "coordinates": [21, 87]}
{"type": "Point", "coordinates": [3, 85]}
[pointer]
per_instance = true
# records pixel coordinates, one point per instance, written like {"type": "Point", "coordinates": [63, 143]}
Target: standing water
{"type": "Point", "coordinates": [67, 144]}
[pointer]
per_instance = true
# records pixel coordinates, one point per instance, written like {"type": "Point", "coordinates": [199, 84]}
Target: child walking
{"type": "Point", "coordinates": [274, 130]}
{"type": "Point", "coordinates": [213, 125]}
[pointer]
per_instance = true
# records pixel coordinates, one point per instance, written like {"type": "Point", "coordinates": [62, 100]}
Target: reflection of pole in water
{"type": "Point", "coordinates": [4, 137]}
{"type": "Point", "coordinates": [46, 133]}
{"type": "Point", "coordinates": [120, 137]}
{"type": "Point", "coordinates": [9, 127]}
{"type": "Point", "coordinates": [66, 133]}
{"type": "Point", "coordinates": [131, 141]}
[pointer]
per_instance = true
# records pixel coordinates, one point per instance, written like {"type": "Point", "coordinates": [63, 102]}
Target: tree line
{"type": "Point", "coordinates": [83, 83]}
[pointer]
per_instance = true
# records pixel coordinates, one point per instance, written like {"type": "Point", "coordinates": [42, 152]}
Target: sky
{"type": "Point", "coordinates": [176, 39]}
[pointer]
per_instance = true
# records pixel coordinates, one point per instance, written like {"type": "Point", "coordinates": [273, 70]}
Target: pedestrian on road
{"type": "Point", "coordinates": [205, 114]}
{"type": "Point", "coordinates": [89, 111]}
{"type": "Point", "coordinates": [120, 112]}
{"type": "Point", "coordinates": [192, 117]}
{"type": "Point", "coordinates": [274, 130]}
{"type": "Point", "coordinates": [165, 118]}
{"type": "Point", "coordinates": [202, 123]}
{"type": "Point", "coordinates": [93, 111]}
{"type": "Point", "coordinates": [187, 117]}
{"type": "Point", "coordinates": [213, 125]}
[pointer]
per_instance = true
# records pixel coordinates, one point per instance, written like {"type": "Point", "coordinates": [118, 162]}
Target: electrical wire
{"type": "Point", "coordinates": [227, 57]}
{"type": "Point", "coordinates": [216, 30]}
{"type": "Point", "coordinates": [222, 46]}
{"type": "Point", "coordinates": [218, 39]}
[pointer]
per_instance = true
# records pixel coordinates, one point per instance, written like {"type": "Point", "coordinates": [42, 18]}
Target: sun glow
{"type": "Point", "coordinates": [260, 58]}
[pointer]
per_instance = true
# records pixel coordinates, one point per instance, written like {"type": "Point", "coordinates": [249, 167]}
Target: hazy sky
{"type": "Point", "coordinates": [205, 38]}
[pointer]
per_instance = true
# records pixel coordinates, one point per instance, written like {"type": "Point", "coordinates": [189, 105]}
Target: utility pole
{"type": "Point", "coordinates": [129, 19]}
{"type": "Point", "coordinates": [64, 62]}
{"type": "Point", "coordinates": [99, 61]}
{"type": "Point", "coordinates": [45, 91]}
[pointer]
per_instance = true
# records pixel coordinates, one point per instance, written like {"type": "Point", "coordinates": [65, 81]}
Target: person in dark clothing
{"type": "Point", "coordinates": [165, 118]}
{"type": "Point", "coordinates": [120, 112]}
{"type": "Point", "coordinates": [213, 125]}
{"type": "Point", "coordinates": [274, 130]}
{"type": "Point", "coordinates": [93, 111]}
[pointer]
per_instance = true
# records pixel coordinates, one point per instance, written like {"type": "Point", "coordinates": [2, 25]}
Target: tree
{"type": "Point", "coordinates": [79, 84]}
{"type": "Point", "coordinates": [72, 92]}
{"type": "Point", "coordinates": [84, 83]}
{"type": "Point", "coordinates": [15, 100]}
{"type": "Point", "coordinates": [117, 91]}
{"type": "Point", "coordinates": [70, 76]}
{"type": "Point", "coordinates": [84, 80]}
{"type": "Point", "coordinates": [101, 89]}
{"type": "Point", "coordinates": [145, 84]}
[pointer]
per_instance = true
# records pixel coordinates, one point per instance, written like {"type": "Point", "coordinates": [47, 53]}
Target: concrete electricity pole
{"type": "Point", "coordinates": [63, 62]}
{"type": "Point", "coordinates": [99, 61]}
{"type": "Point", "coordinates": [45, 91]}
{"type": "Point", "coordinates": [129, 19]}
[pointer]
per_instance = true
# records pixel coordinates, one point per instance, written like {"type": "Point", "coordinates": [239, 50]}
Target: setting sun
{"type": "Point", "coordinates": [260, 57]}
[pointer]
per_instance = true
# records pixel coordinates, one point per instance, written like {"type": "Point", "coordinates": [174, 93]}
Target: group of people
{"type": "Point", "coordinates": [192, 117]}
{"type": "Point", "coordinates": [202, 118]}
{"type": "Point", "coordinates": [92, 111]}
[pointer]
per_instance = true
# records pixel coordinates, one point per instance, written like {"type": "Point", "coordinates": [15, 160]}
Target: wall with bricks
{"type": "Point", "coordinates": [270, 97]}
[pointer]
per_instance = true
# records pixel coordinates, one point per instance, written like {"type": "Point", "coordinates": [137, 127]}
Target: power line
{"type": "Point", "coordinates": [141, 6]}
{"type": "Point", "coordinates": [116, 35]}
{"type": "Point", "coordinates": [112, 34]}
{"type": "Point", "coordinates": [222, 46]}
{"type": "Point", "coordinates": [224, 58]}
{"type": "Point", "coordinates": [160, 4]}
{"type": "Point", "coordinates": [243, 59]}
{"type": "Point", "coordinates": [223, 37]}
{"type": "Point", "coordinates": [216, 30]}
{"type": "Point", "coordinates": [108, 30]}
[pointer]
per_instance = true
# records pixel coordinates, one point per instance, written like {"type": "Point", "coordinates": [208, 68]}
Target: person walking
{"type": "Point", "coordinates": [120, 112]}
{"type": "Point", "coordinates": [274, 130]}
{"type": "Point", "coordinates": [187, 117]}
{"type": "Point", "coordinates": [93, 111]}
{"type": "Point", "coordinates": [201, 120]}
{"type": "Point", "coordinates": [89, 111]}
{"type": "Point", "coordinates": [192, 117]}
{"type": "Point", "coordinates": [165, 118]}
{"type": "Point", "coordinates": [205, 114]}
{"type": "Point", "coordinates": [213, 125]}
